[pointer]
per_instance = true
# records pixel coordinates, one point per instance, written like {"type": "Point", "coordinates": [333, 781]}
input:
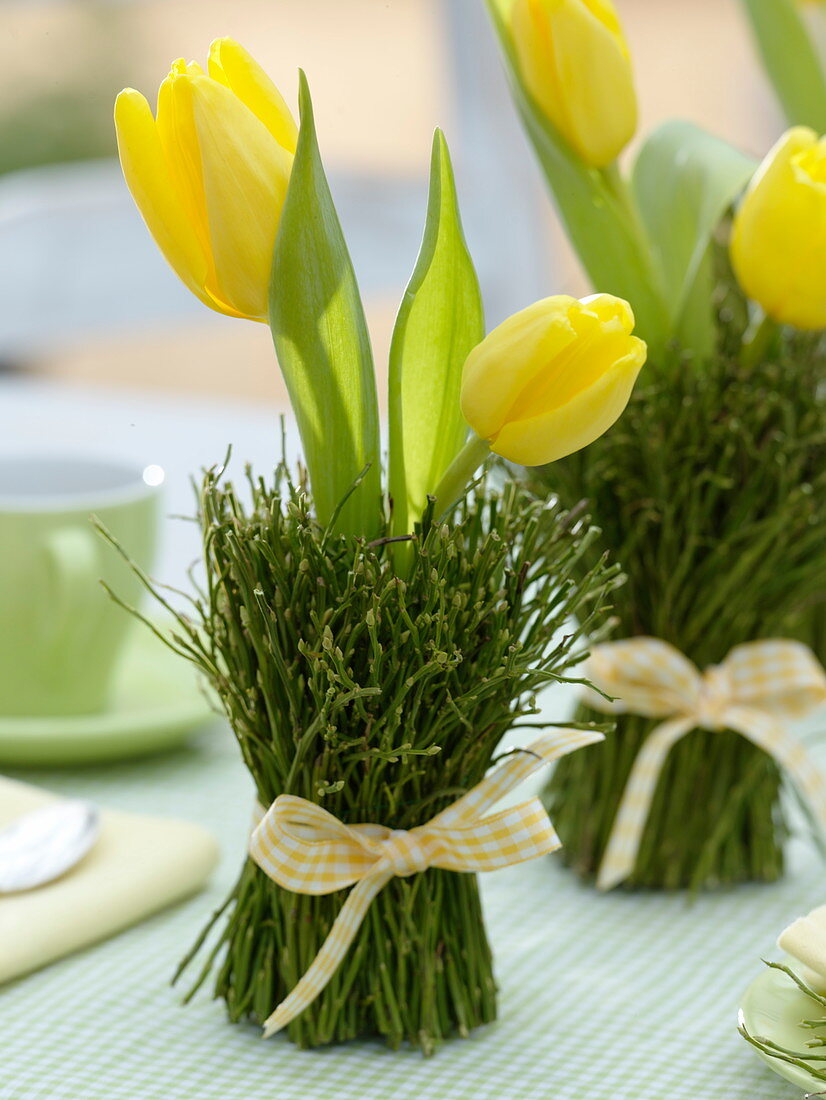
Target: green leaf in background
{"type": "Point", "coordinates": [602, 226]}
{"type": "Point", "coordinates": [684, 180]}
{"type": "Point", "coordinates": [440, 319]}
{"type": "Point", "coordinates": [323, 345]}
{"type": "Point", "coordinates": [790, 59]}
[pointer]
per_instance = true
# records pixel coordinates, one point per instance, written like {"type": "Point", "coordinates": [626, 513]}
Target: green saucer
{"type": "Point", "coordinates": [156, 702]}
{"type": "Point", "coordinates": [772, 1008]}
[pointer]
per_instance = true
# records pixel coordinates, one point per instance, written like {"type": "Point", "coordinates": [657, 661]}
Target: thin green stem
{"type": "Point", "coordinates": [456, 478]}
{"type": "Point", "coordinates": [618, 188]}
{"type": "Point", "coordinates": [758, 341]}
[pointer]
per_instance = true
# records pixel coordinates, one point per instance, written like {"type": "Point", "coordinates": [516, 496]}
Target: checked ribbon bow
{"type": "Point", "coordinates": [309, 851]}
{"type": "Point", "coordinates": [753, 691]}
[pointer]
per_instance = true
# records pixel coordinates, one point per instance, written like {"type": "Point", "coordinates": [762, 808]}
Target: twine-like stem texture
{"type": "Point", "coordinates": [711, 492]}
{"type": "Point", "coordinates": [383, 699]}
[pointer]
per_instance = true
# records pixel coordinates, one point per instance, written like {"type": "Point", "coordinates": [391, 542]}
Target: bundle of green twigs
{"type": "Point", "coordinates": [383, 698]}
{"type": "Point", "coordinates": [711, 492]}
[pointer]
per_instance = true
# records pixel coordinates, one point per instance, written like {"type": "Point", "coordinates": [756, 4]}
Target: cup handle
{"type": "Point", "coordinates": [74, 563]}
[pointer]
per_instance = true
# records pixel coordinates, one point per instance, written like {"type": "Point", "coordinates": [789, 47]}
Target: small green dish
{"type": "Point", "coordinates": [156, 702]}
{"type": "Point", "coordinates": [772, 1008]}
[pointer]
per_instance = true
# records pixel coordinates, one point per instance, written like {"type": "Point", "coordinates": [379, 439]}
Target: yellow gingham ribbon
{"type": "Point", "coordinates": [757, 687]}
{"type": "Point", "coordinates": [309, 851]}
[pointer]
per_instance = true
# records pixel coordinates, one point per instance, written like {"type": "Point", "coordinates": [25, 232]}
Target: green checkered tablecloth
{"type": "Point", "coordinates": [623, 996]}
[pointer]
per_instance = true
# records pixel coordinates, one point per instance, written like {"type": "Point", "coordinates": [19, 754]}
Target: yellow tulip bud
{"type": "Point", "coordinates": [575, 62]}
{"type": "Point", "coordinates": [778, 241]}
{"type": "Point", "coordinates": [210, 173]}
{"type": "Point", "coordinates": [552, 378]}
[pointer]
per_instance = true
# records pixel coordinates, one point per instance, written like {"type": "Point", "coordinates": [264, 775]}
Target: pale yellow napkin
{"type": "Point", "coordinates": [138, 866]}
{"type": "Point", "coordinates": [805, 941]}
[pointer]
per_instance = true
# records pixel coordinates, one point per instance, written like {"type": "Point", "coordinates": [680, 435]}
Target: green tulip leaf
{"type": "Point", "coordinates": [791, 60]}
{"type": "Point", "coordinates": [440, 319]}
{"type": "Point", "coordinates": [684, 180]}
{"type": "Point", "coordinates": [323, 346]}
{"type": "Point", "coordinates": [608, 240]}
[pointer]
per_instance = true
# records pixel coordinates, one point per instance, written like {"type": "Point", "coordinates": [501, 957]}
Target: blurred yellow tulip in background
{"type": "Point", "coordinates": [575, 62]}
{"type": "Point", "coordinates": [778, 242]}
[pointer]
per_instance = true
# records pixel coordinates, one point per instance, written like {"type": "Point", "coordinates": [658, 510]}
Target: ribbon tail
{"type": "Point", "coordinates": [333, 950]}
{"type": "Point", "coordinates": [509, 774]}
{"type": "Point", "coordinates": [629, 823]}
{"type": "Point", "coordinates": [786, 750]}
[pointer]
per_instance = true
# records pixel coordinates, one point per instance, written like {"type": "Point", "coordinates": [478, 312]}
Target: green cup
{"type": "Point", "coordinates": [61, 634]}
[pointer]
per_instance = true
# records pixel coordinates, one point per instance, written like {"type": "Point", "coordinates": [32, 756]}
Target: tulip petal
{"type": "Point", "coordinates": [154, 190]}
{"type": "Point", "coordinates": [245, 177]}
{"type": "Point", "coordinates": [606, 13]}
{"type": "Point", "coordinates": [176, 130]}
{"type": "Point", "coordinates": [499, 369]}
{"type": "Point", "coordinates": [575, 61]}
{"type": "Point", "coordinates": [597, 348]}
{"type": "Point", "coordinates": [610, 308]}
{"type": "Point", "coordinates": [593, 71]}
{"type": "Point", "coordinates": [230, 64]}
{"type": "Point", "coordinates": [179, 141]}
{"type": "Point", "coordinates": [534, 48]}
{"type": "Point", "coordinates": [562, 430]}
{"type": "Point", "coordinates": [778, 243]}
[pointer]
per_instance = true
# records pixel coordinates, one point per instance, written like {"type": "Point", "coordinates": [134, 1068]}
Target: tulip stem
{"type": "Point", "coordinates": [617, 186]}
{"type": "Point", "coordinates": [650, 301]}
{"type": "Point", "coordinates": [615, 183]}
{"type": "Point", "coordinates": [757, 342]}
{"type": "Point", "coordinates": [452, 487]}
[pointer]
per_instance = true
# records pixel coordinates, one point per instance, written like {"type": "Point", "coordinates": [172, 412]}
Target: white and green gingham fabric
{"type": "Point", "coordinates": [602, 997]}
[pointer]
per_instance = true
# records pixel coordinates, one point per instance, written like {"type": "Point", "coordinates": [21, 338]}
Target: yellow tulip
{"type": "Point", "coordinates": [210, 172]}
{"type": "Point", "coordinates": [575, 62]}
{"type": "Point", "coordinates": [552, 378]}
{"type": "Point", "coordinates": [778, 241]}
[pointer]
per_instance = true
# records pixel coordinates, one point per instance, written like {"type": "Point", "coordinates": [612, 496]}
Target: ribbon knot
{"type": "Point", "coordinates": [752, 692]}
{"type": "Point", "coordinates": [405, 853]}
{"type": "Point", "coordinates": [306, 849]}
{"type": "Point", "coordinates": [713, 699]}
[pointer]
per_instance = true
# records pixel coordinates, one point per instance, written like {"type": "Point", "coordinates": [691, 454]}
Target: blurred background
{"type": "Point", "coordinates": [86, 298]}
